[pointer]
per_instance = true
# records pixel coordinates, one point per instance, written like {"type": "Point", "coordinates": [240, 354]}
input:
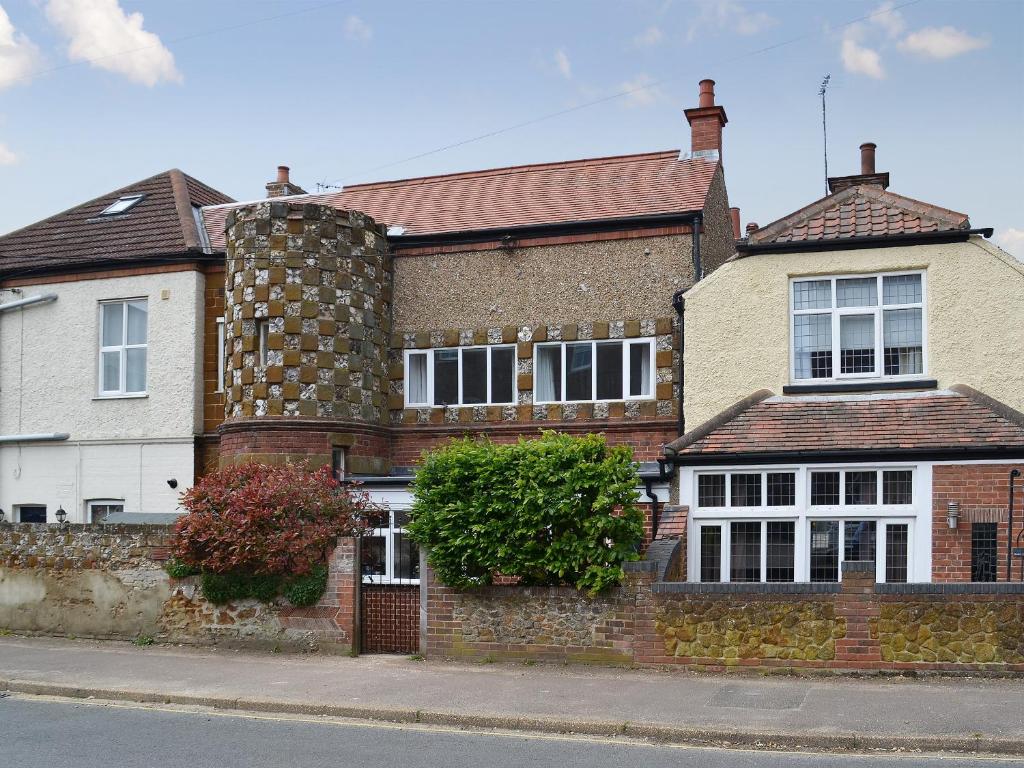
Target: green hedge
{"type": "Point", "coordinates": [555, 510]}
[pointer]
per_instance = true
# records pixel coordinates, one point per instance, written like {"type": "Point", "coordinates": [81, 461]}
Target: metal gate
{"type": "Point", "coordinates": [389, 599]}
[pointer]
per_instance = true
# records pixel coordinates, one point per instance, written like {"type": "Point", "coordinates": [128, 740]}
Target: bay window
{"type": "Point", "coordinates": [593, 371]}
{"type": "Point", "coordinates": [460, 376]}
{"type": "Point", "coordinates": [123, 347]}
{"type": "Point", "coordinates": [858, 327]}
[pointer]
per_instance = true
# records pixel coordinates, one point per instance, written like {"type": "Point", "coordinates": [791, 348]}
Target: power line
{"type": "Point", "coordinates": [612, 97]}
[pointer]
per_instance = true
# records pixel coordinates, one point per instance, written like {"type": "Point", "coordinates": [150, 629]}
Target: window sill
{"type": "Point", "coordinates": [872, 385]}
{"type": "Point", "coordinates": [132, 396]}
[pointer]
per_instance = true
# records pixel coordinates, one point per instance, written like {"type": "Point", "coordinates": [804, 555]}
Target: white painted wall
{"type": "Point", "coordinates": [120, 448]}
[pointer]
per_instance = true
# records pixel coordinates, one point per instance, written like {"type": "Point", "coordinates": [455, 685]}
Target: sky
{"type": "Point", "coordinates": [96, 94]}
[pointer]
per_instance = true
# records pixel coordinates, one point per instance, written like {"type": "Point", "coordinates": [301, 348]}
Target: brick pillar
{"type": "Point", "coordinates": [335, 618]}
{"type": "Point", "coordinates": [857, 604]}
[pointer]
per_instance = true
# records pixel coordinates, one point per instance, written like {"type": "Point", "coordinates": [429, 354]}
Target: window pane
{"type": "Point", "coordinates": [896, 541]}
{"type": "Point", "coordinates": [781, 546]}
{"type": "Point", "coordinates": [446, 377]}
{"type": "Point", "coordinates": [137, 315]}
{"type": "Point", "coordinates": [983, 551]}
{"type": "Point", "coordinates": [32, 514]}
{"type": "Point", "coordinates": [812, 294]}
{"type": "Point", "coordinates": [857, 292]}
{"type": "Point", "coordinates": [474, 376]}
{"type": "Point", "coordinates": [746, 490]}
{"type": "Point", "coordinates": [338, 463]}
{"type": "Point", "coordinates": [898, 486]}
{"type": "Point", "coordinates": [710, 553]}
{"type": "Point", "coordinates": [859, 541]}
{"type": "Point", "coordinates": [781, 489]}
{"type": "Point", "coordinates": [113, 324]}
{"type": "Point", "coordinates": [824, 488]}
{"type": "Point", "coordinates": [812, 337]}
{"type": "Point", "coordinates": [374, 556]}
{"type": "Point", "coordinates": [263, 332]}
{"type": "Point", "coordinates": [503, 371]}
{"type": "Point", "coordinates": [547, 379]}
{"type": "Point", "coordinates": [640, 370]}
{"type": "Point", "coordinates": [824, 550]}
{"type": "Point", "coordinates": [578, 372]}
{"type": "Point", "coordinates": [711, 490]}
{"type": "Point", "coordinates": [220, 356]}
{"type": "Point", "coordinates": [111, 372]}
{"type": "Point", "coordinates": [609, 371]}
{"type": "Point", "coordinates": [417, 378]}
{"type": "Point", "coordinates": [861, 487]}
{"type": "Point", "coordinates": [901, 289]}
{"type": "Point", "coordinates": [135, 375]}
{"type": "Point", "coordinates": [745, 552]}
{"type": "Point", "coordinates": [406, 557]}
{"type": "Point", "coordinates": [902, 339]}
{"type": "Point", "coordinates": [857, 343]}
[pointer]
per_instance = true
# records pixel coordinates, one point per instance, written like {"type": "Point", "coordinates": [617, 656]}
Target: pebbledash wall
{"type": "Point", "coordinates": [108, 582]}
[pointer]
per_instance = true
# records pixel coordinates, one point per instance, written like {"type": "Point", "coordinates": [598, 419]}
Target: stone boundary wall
{"type": "Point", "coordinates": [108, 582]}
{"type": "Point", "coordinates": [856, 625]}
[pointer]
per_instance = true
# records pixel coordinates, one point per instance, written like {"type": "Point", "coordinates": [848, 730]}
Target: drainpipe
{"type": "Point", "coordinates": [698, 268]}
{"type": "Point", "coordinates": [43, 298]}
{"type": "Point", "coordinates": [1014, 474]}
{"type": "Point", "coordinates": [679, 305]}
{"type": "Point", "coordinates": [48, 437]}
{"type": "Point", "coordinates": [655, 506]}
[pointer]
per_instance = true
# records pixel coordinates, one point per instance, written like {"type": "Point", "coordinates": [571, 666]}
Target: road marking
{"type": "Point", "coordinates": [339, 722]}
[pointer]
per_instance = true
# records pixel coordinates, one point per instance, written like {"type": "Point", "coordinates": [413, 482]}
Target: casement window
{"type": "Point", "coordinates": [389, 556]}
{"type": "Point", "coordinates": [98, 510]}
{"type": "Point", "coordinates": [30, 513]}
{"type": "Point", "coordinates": [593, 371]}
{"type": "Point", "coordinates": [848, 488]}
{"type": "Point", "coordinates": [833, 542]}
{"type": "Point", "coordinates": [858, 327]}
{"type": "Point", "coordinates": [746, 489]}
{"type": "Point", "coordinates": [220, 354]}
{"type": "Point", "coordinates": [338, 463]}
{"type": "Point", "coordinates": [123, 347]}
{"type": "Point", "coordinates": [460, 376]}
{"type": "Point", "coordinates": [748, 550]}
{"type": "Point", "coordinates": [263, 335]}
{"type": "Point", "coordinates": [983, 551]}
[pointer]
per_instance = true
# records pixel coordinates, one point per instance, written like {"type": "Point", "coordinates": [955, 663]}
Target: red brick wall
{"type": "Point", "coordinates": [213, 401]}
{"type": "Point", "coordinates": [983, 493]}
{"type": "Point", "coordinates": [333, 618]}
{"type": "Point", "coordinates": [280, 438]}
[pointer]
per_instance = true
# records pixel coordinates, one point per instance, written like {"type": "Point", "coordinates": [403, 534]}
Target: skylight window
{"type": "Point", "coordinates": [121, 205]}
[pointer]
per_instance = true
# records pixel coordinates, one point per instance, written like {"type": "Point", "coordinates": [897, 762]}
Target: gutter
{"type": "Point", "coordinates": [1004, 452]}
{"type": "Point", "coordinates": [868, 241]}
{"type": "Point", "coordinates": [43, 298]}
{"type": "Point", "coordinates": [190, 257]}
{"type": "Point", "coordinates": [48, 437]}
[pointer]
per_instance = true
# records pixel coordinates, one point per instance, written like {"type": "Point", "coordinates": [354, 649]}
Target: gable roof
{"type": "Point", "coordinates": [956, 419]}
{"type": "Point", "coordinates": [161, 224]}
{"type": "Point", "coordinates": [576, 191]}
{"type": "Point", "coordinates": [863, 210]}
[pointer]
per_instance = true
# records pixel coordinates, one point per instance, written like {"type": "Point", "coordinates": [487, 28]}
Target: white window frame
{"type": "Point", "coordinates": [90, 503]}
{"type": "Point", "coordinates": [429, 353]}
{"type": "Point", "coordinates": [123, 348]}
{"type": "Point", "coordinates": [388, 534]}
{"type": "Point", "coordinates": [751, 511]}
{"type": "Point", "coordinates": [725, 565]}
{"type": "Point", "coordinates": [877, 311]}
{"type": "Point", "coordinates": [651, 384]}
{"type": "Point", "coordinates": [16, 511]}
{"type": "Point", "coordinates": [918, 515]}
{"type": "Point", "coordinates": [220, 354]}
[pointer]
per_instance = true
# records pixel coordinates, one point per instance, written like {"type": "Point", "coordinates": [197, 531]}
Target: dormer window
{"type": "Point", "coordinates": [857, 327]}
{"type": "Point", "coordinates": [121, 205]}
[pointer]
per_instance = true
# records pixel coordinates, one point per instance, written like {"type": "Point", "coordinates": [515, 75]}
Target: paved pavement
{"type": "Point", "coordinates": [830, 713]}
{"type": "Point", "coordinates": [41, 733]}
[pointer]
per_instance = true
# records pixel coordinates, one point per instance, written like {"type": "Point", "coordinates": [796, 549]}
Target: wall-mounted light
{"type": "Point", "coordinates": [173, 483]}
{"type": "Point", "coordinates": [952, 513]}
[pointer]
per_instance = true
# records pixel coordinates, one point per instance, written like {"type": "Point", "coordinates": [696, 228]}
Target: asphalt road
{"type": "Point", "coordinates": [53, 733]}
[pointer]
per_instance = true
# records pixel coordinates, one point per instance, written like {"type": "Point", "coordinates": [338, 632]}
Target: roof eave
{"type": "Point", "coordinates": [197, 256]}
{"type": "Point", "coordinates": [746, 248]}
{"type": "Point", "coordinates": [940, 453]}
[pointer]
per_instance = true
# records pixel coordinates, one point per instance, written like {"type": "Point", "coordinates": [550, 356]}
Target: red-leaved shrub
{"type": "Point", "coordinates": [266, 520]}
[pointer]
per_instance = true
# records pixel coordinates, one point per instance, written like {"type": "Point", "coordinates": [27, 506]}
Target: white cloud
{"type": "Point", "coordinates": [640, 91]}
{"type": "Point", "coordinates": [860, 59]}
{"type": "Point", "coordinates": [101, 33]}
{"type": "Point", "coordinates": [358, 30]}
{"type": "Point", "coordinates": [563, 65]}
{"type": "Point", "coordinates": [649, 38]}
{"type": "Point", "coordinates": [7, 157]}
{"type": "Point", "coordinates": [941, 42]}
{"type": "Point", "coordinates": [1011, 240]}
{"type": "Point", "coordinates": [18, 55]}
{"type": "Point", "coordinates": [888, 19]}
{"type": "Point", "coordinates": [731, 16]}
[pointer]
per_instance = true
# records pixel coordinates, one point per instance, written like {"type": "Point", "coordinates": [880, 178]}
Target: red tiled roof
{"type": "Point", "coordinates": [522, 196]}
{"type": "Point", "coordinates": [859, 211]}
{"type": "Point", "coordinates": [161, 224]}
{"type": "Point", "coordinates": [946, 419]}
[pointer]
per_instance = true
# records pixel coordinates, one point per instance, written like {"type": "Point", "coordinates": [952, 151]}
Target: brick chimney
{"type": "Point", "coordinates": [734, 216]}
{"type": "Point", "coordinates": [867, 175]}
{"type": "Point", "coordinates": [706, 121]}
{"type": "Point", "coordinates": [282, 185]}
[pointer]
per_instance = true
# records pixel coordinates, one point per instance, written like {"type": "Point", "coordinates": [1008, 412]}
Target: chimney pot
{"type": "Point", "coordinates": [734, 214]}
{"type": "Point", "coordinates": [752, 227]}
{"type": "Point", "coordinates": [282, 174]}
{"type": "Point", "coordinates": [707, 93]}
{"type": "Point", "coordinates": [867, 158]}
